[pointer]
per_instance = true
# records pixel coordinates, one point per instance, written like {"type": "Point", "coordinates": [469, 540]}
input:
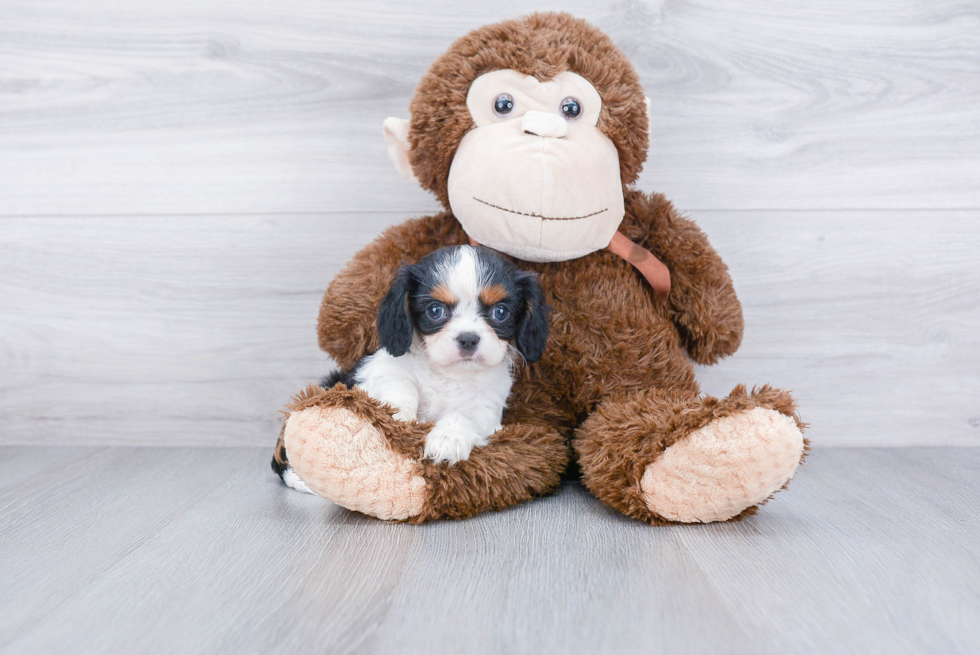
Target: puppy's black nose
{"type": "Point", "coordinates": [468, 341]}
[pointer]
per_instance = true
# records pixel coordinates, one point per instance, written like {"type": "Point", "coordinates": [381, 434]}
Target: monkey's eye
{"type": "Point", "coordinates": [436, 311]}
{"type": "Point", "coordinates": [500, 313]}
{"type": "Point", "coordinates": [570, 108]}
{"type": "Point", "coordinates": [504, 104]}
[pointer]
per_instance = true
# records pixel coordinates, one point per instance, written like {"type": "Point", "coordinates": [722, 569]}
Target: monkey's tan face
{"type": "Point", "coordinates": [536, 178]}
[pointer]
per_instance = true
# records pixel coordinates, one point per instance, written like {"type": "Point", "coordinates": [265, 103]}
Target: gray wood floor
{"type": "Point", "coordinates": [156, 550]}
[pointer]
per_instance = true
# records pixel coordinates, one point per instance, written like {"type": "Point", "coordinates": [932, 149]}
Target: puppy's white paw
{"type": "Point", "coordinates": [406, 415]}
{"type": "Point", "coordinates": [452, 440]}
{"type": "Point", "coordinates": [292, 480]}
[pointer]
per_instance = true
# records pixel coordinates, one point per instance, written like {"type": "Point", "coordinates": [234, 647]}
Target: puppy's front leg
{"type": "Point", "coordinates": [385, 379]}
{"type": "Point", "coordinates": [452, 439]}
{"type": "Point", "coordinates": [402, 395]}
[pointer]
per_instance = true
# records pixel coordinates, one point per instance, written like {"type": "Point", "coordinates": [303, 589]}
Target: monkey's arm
{"type": "Point", "coordinates": [348, 313]}
{"type": "Point", "coordinates": [702, 300]}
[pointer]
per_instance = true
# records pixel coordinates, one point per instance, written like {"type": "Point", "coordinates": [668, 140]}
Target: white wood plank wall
{"type": "Point", "coordinates": [179, 181]}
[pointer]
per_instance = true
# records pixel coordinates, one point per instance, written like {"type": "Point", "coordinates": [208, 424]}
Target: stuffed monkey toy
{"type": "Point", "coordinates": [530, 133]}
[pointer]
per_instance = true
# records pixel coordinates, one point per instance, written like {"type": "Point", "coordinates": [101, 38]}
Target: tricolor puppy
{"type": "Point", "coordinates": [451, 328]}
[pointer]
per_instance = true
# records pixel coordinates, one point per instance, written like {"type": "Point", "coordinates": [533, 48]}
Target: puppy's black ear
{"type": "Point", "coordinates": [394, 319]}
{"type": "Point", "coordinates": [532, 330]}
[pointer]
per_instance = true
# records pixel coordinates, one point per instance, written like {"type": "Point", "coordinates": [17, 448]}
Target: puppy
{"type": "Point", "coordinates": [451, 329]}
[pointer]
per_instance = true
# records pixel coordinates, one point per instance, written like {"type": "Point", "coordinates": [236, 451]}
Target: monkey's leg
{"type": "Point", "coordinates": [349, 449]}
{"type": "Point", "coordinates": [671, 456]}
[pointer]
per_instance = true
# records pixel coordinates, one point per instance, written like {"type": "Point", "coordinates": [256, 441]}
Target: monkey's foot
{"type": "Point", "coordinates": [670, 456]}
{"type": "Point", "coordinates": [347, 460]}
{"type": "Point", "coordinates": [719, 471]}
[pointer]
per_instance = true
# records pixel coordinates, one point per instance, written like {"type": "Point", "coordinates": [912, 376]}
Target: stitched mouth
{"type": "Point", "coordinates": [533, 215]}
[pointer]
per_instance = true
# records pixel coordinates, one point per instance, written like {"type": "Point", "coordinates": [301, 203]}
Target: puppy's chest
{"type": "Point", "coordinates": [440, 395]}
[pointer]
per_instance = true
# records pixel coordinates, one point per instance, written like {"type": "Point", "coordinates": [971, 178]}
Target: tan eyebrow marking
{"type": "Point", "coordinates": [493, 295]}
{"type": "Point", "coordinates": [443, 294]}
{"type": "Point", "coordinates": [546, 218]}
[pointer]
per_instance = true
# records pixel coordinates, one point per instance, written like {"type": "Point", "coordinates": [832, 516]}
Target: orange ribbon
{"type": "Point", "coordinates": [654, 270]}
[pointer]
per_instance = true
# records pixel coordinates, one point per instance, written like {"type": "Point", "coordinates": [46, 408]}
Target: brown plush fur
{"type": "Point", "coordinates": [617, 373]}
{"type": "Point", "coordinates": [542, 45]}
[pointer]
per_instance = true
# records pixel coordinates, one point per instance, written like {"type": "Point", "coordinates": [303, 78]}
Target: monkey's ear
{"type": "Point", "coordinates": [646, 101]}
{"type": "Point", "coordinates": [396, 136]}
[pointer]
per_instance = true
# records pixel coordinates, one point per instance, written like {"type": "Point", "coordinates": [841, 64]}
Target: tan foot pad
{"type": "Point", "coordinates": [724, 468]}
{"type": "Point", "coordinates": [345, 459]}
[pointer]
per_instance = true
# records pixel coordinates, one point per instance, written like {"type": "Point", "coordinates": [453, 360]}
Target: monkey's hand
{"type": "Point", "coordinates": [702, 300]}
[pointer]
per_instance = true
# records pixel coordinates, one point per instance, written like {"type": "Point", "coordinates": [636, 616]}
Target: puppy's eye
{"type": "Point", "coordinates": [504, 104]}
{"type": "Point", "coordinates": [570, 108]}
{"type": "Point", "coordinates": [436, 311]}
{"type": "Point", "coordinates": [499, 313]}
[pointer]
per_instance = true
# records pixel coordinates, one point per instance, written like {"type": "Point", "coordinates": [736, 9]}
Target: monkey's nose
{"type": "Point", "coordinates": [468, 341]}
{"type": "Point", "coordinates": [543, 123]}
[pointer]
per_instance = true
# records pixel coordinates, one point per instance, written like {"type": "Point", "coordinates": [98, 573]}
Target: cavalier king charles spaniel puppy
{"type": "Point", "coordinates": [451, 329]}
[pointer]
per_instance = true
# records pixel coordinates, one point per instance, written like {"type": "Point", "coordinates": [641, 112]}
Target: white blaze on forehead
{"type": "Point", "coordinates": [463, 276]}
